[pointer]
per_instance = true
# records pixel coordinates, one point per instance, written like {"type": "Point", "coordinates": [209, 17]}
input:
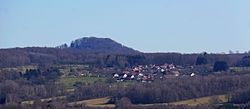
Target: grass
{"type": "Point", "coordinates": [73, 66]}
{"type": "Point", "coordinates": [70, 90]}
{"type": "Point", "coordinates": [44, 99]}
{"type": "Point", "coordinates": [65, 72]}
{"type": "Point", "coordinates": [62, 68]}
{"type": "Point", "coordinates": [21, 69]}
{"type": "Point", "coordinates": [68, 82]}
{"type": "Point", "coordinates": [239, 69]}
{"type": "Point", "coordinates": [27, 102]}
{"type": "Point", "coordinates": [202, 100]}
{"type": "Point", "coordinates": [99, 102]}
{"type": "Point", "coordinates": [67, 69]}
{"type": "Point", "coordinates": [53, 98]}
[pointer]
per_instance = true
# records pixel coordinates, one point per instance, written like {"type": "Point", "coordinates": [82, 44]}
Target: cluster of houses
{"type": "Point", "coordinates": [147, 73]}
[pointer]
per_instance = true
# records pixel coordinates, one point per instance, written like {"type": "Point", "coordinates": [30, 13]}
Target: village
{"type": "Point", "coordinates": [148, 73]}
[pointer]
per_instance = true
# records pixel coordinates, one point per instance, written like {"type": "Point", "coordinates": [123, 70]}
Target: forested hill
{"type": "Point", "coordinates": [36, 55]}
{"type": "Point", "coordinates": [98, 44]}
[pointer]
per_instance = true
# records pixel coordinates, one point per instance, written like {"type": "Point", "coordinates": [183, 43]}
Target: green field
{"type": "Point", "coordinates": [21, 69]}
{"type": "Point", "coordinates": [68, 69]}
{"type": "Point", "coordinates": [68, 82]}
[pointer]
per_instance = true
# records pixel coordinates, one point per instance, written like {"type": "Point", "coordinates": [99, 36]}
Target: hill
{"type": "Point", "coordinates": [98, 44]}
{"type": "Point", "coordinates": [41, 55]}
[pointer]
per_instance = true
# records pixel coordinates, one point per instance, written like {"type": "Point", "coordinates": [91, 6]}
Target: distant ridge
{"type": "Point", "coordinates": [98, 44]}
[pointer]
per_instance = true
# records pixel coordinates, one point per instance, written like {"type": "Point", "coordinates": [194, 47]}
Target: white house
{"type": "Point", "coordinates": [192, 74]}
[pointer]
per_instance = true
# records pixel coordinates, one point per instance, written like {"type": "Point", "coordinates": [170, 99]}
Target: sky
{"type": "Point", "coordinates": [185, 26]}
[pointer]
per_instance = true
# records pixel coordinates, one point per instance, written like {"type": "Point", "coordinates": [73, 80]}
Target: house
{"type": "Point", "coordinates": [80, 73]}
{"type": "Point", "coordinates": [115, 75]}
{"type": "Point", "coordinates": [179, 67]}
{"type": "Point", "coordinates": [157, 67]}
{"type": "Point", "coordinates": [162, 70]}
{"type": "Point", "coordinates": [124, 76]}
{"type": "Point", "coordinates": [140, 75]}
{"type": "Point", "coordinates": [126, 72]}
{"type": "Point", "coordinates": [164, 66]}
{"type": "Point", "coordinates": [192, 74]}
{"type": "Point", "coordinates": [171, 66]}
{"type": "Point", "coordinates": [175, 73]}
{"type": "Point", "coordinates": [132, 77]}
{"type": "Point", "coordinates": [135, 69]}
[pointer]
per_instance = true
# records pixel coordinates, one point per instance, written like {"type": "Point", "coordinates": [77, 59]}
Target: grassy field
{"type": "Point", "coordinates": [239, 69]}
{"type": "Point", "coordinates": [202, 100]}
{"type": "Point", "coordinates": [67, 69]}
{"type": "Point", "coordinates": [100, 102]}
{"type": "Point", "coordinates": [69, 78]}
{"type": "Point", "coordinates": [44, 99]}
{"type": "Point", "coordinates": [21, 69]}
{"type": "Point", "coordinates": [68, 82]}
{"type": "Point", "coordinates": [62, 68]}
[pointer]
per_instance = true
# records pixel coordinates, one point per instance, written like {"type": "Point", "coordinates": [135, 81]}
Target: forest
{"type": "Point", "coordinates": [37, 55]}
{"type": "Point", "coordinates": [57, 78]}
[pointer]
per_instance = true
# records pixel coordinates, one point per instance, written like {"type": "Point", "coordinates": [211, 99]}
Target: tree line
{"type": "Point", "coordinates": [35, 55]}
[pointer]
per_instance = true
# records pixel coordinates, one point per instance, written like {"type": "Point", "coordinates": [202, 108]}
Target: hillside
{"type": "Point", "coordinates": [37, 55]}
{"type": "Point", "coordinates": [98, 44]}
{"type": "Point", "coordinates": [35, 77]}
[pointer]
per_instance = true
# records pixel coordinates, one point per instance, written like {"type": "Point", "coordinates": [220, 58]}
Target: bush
{"type": "Point", "coordinates": [123, 103]}
{"type": "Point", "coordinates": [220, 66]}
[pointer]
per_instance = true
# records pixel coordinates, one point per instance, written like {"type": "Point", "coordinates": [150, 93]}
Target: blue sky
{"type": "Point", "coordinates": [184, 26]}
